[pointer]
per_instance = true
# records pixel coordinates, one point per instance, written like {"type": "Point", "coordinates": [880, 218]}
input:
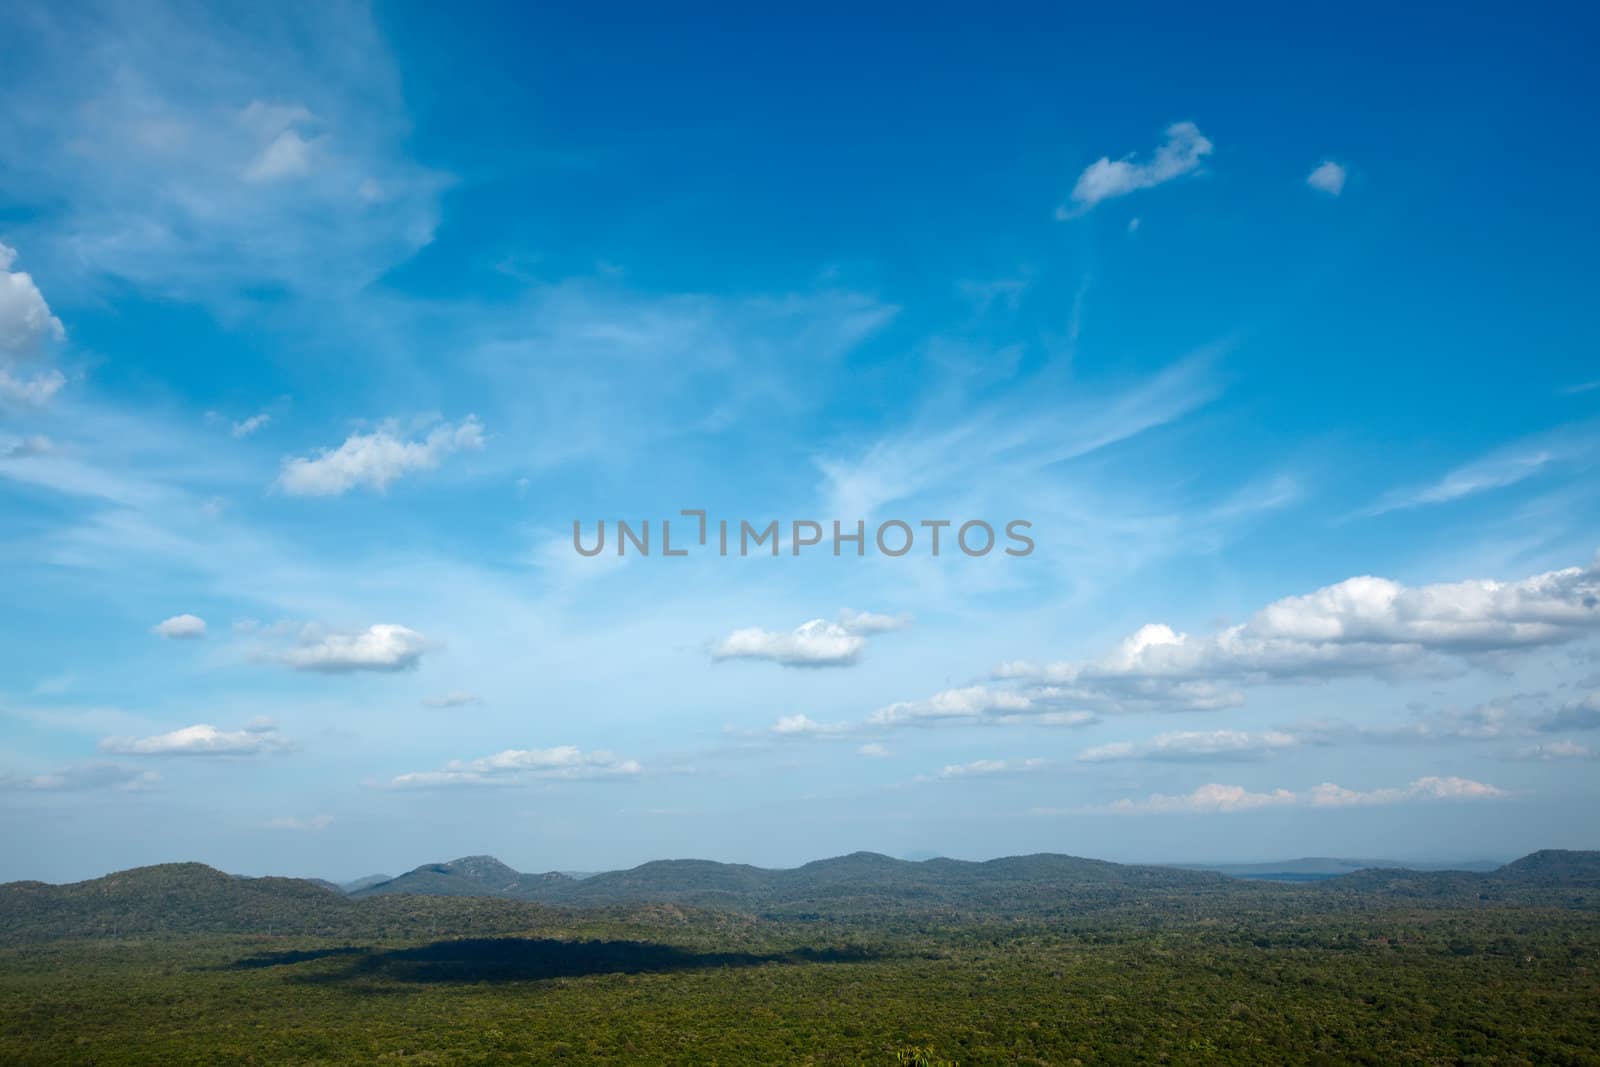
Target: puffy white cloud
{"type": "Point", "coordinates": [26, 323]}
{"type": "Point", "coordinates": [312, 824]}
{"type": "Point", "coordinates": [180, 627]}
{"type": "Point", "coordinates": [1181, 153]}
{"type": "Point", "coordinates": [1186, 745]}
{"type": "Point", "coordinates": [203, 739]}
{"type": "Point", "coordinates": [988, 767]}
{"type": "Point", "coordinates": [1217, 798]}
{"type": "Point", "coordinates": [375, 460]}
{"type": "Point", "coordinates": [381, 647]}
{"type": "Point", "coordinates": [1328, 177]}
{"type": "Point", "coordinates": [1362, 625]}
{"type": "Point", "coordinates": [968, 703]}
{"type": "Point", "coordinates": [83, 776]}
{"type": "Point", "coordinates": [26, 329]}
{"type": "Point", "coordinates": [818, 643]}
{"type": "Point", "coordinates": [565, 763]}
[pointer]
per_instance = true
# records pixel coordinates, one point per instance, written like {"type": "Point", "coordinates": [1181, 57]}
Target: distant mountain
{"type": "Point", "coordinates": [858, 880]}
{"type": "Point", "coordinates": [479, 894]}
{"type": "Point", "coordinates": [470, 876]}
{"type": "Point", "coordinates": [362, 883]}
{"type": "Point", "coordinates": [1314, 868]}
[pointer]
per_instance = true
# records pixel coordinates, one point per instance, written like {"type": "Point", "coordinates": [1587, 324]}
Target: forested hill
{"type": "Point", "coordinates": [479, 894]}
{"type": "Point", "coordinates": [863, 876]}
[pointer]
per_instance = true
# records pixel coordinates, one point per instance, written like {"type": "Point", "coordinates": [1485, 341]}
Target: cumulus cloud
{"type": "Point", "coordinates": [26, 324]}
{"type": "Point", "coordinates": [1328, 177]}
{"type": "Point", "coordinates": [1363, 625]}
{"type": "Point", "coordinates": [203, 739]}
{"type": "Point", "coordinates": [1193, 745]}
{"type": "Point", "coordinates": [563, 763]}
{"type": "Point", "coordinates": [1183, 151]}
{"type": "Point", "coordinates": [382, 647]}
{"type": "Point", "coordinates": [818, 643]}
{"type": "Point", "coordinates": [375, 460]}
{"type": "Point", "coordinates": [1216, 798]}
{"type": "Point", "coordinates": [27, 328]}
{"type": "Point", "coordinates": [83, 776]}
{"type": "Point", "coordinates": [311, 824]}
{"type": "Point", "coordinates": [180, 627]}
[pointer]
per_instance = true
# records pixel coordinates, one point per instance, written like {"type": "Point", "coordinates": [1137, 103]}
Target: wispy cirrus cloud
{"type": "Point", "coordinates": [1215, 798]}
{"type": "Point", "coordinates": [83, 777]}
{"type": "Point", "coordinates": [1183, 152]}
{"type": "Point", "coordinates": [1573, 449]}
{"type": "Point", "coordinates": [1181, 746]}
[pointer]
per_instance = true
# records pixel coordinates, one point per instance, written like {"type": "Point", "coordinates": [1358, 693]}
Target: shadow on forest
{"type": "Point", "coordinates": [513, 959]}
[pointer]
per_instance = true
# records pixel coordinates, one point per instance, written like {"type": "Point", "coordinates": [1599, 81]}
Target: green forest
{"type": "Point", "coordinates": [183, 965]}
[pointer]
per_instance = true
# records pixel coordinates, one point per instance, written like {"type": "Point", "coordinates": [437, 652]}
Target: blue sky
{"type": "Point", "coordinates": [320, 327]}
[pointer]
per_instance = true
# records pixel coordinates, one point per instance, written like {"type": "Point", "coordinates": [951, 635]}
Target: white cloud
{"type": "Point", "coordinates": [818, 643]}
{"type": "Point", "coordinates": [967, 703]}
{"type": "Point", "coordinates": [1213, 798]}
{"type": "Point", "coordinates": [312, 824]}
{"type": "Point", "coordinates": [374, 460]}
{"type": "Point", "coordinates": [203, 739]}
{"type": "Point", "coordinates": [867, 623]}
{"type": "Point", "coordinates": [1186, 745]}
{"type": "Point", "coordinates": [83, 776]}
{"type": "Point", "coordinates": [1328, 795]}
{"type": "Point", "coordinates": [26, 323]}
{"type": "Point", "coordinates": [285, 153]}
{"type": "Point", "coordinates": [457, 699]}
{"type": "Point", "coordinates": [1181, 153]}
{"type": "Point", "coordinates": [1360, 626]}
{"type": "Point", "coordinates": [988, 767]}
{"type": "Point", "coordinates": [244, 164]}
{"type": "Point", "coordinates": [1216, 798]}
{"type": "Point", "coordinates": [26, 329]}
{"type": "Point", "coordinates": [565, 763]}
{"type": "Point", "coordinates": [805, 726]}
{"type": "Point", "coordinates": [1574, 448]}
{"type": "Point", "coordinates": [874, 750]}
{"type": "Point", "coordinates": [381, 647]}
{"type": "Point", "coordinates": [180, 627]}
{"type": "Point", "coordinates": [246, 427]}
{"type": "Point", "coordinates": [1328, 177]}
